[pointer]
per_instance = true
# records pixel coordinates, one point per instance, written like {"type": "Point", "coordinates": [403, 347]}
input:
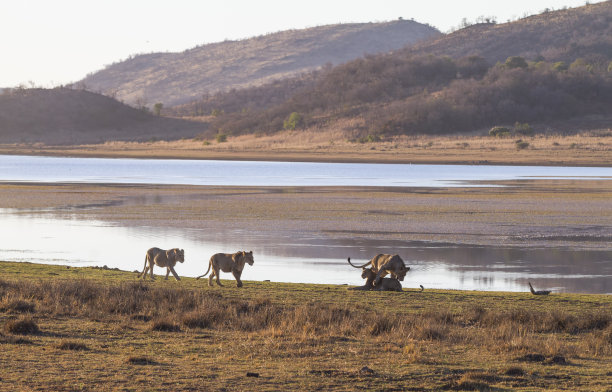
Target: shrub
{"type": "Point", "coordinates": [370, 139]}
{"type": "Point", "coordinates": [515, 62]}
{"type": "Point", "coordinates": [294, 121]}
{"type": "Point", "coordinates": [499, 131]}
{"type": "Point", "coordinates": [19, 306]}
{"type": "Point", "coordinates": [73, 346]}
{"type": "Point", "coordinates": [165, 326]}
{"type": "Point", "coordinates": [22, 327]}
{"type": "Point", "coordinates": [140, 361]}
{"type": "Point", "coordinates": [523, 129]}
{"type": "Point", "coordinates": [521, 144]}
{"type": "Point", "coordinates": [221, 138]}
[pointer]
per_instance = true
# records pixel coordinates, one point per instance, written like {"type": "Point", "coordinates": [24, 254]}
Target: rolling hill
{"type": "Point", "coordinates": [175, 78]}
{"type": "Point", "coordinates": [547, 67]}
{"type": "Point", "coordinates": [65, 116]}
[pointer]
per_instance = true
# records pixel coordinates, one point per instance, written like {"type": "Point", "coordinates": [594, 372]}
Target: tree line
{"type": "Point", "coordinates": [417, 94]}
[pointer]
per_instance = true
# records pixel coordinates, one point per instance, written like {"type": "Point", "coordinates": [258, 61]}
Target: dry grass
{"type": "Point", "coordinates": [340, 144]}
{"type": "Point", "coordinates": [299, 336]}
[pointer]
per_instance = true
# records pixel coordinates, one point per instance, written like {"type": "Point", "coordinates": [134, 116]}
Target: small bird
{"type": "Point", "coordinates": [422, 288]}
{"type": "Point", "coordinates": [540, 292]}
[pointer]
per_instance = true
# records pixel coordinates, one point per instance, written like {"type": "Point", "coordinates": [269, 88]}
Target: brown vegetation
{"type": "Point", "coordinates": [66, 116]}
{"type": "Point", "coordinates": [306, 335]}
{"type": "Point", "coordinates": [435, 88]}
{"type": "Point", "coordinates": [176, 78]}
{"type": "Point", "coordinates": [339, 145]}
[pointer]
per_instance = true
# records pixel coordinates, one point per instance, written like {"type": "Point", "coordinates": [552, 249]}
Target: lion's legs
{"type": "Point", "coordinates": [143, 274]}
{"type": "Point", "coordinates": [237, 276]}
{"type": "Point", "coordinates": [151, 269]}
{"type": "Point", "coordinates": [167, 273]}
{"type": "Point", "coordinates": [381, 274]}
{"type": "Point", "coordinates": [171, 269]}
{"type": "Point", "coordinates": [217, 277]}
{"type": "Point", "coordinates": [214, 274]}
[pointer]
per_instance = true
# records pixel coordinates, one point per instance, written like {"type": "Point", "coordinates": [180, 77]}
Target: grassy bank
{"type": "Point", "coordinates": [68, 328]}
{"type": "Point", "coordinates": [583, 149]}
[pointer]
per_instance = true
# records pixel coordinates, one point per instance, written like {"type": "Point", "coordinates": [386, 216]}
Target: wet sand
{"type": "Point", "coordinates": [559, 213]}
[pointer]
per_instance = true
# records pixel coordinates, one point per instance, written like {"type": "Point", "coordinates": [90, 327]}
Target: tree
{"type": "Point", "coordinates": [157, 108]}
{"type": "Point", "coordinates": [294, 121]}
{"type": "Point", "coordinates": [516, 62]}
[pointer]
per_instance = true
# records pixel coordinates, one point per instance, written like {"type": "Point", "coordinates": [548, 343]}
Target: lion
{"type": "Point", "coordinates": [385, 284]}
{"type": "Point", "coordinates": [228, 262]}
{"type": "Point", "coordinates": [382, 264]}
{"type": "Point", "coordinates": [162, 258]}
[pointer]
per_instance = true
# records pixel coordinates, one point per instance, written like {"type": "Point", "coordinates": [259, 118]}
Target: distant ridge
{"type": "Point", "coordinates": [65, 116]}
{"type": "Point", "coordinates": [538, 70]}
{"type": "Point", "coordinates": [176, 78]}
{"type": "Point", "coordinates": [561, 35]}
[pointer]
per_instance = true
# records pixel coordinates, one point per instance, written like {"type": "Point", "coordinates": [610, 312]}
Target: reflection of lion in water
{"type": "Point", "coordinates": [382, 264]}
{"type": "Point", "coordinates": [385, 284]}
{"type": "Point", "coordinates": [162, 258]}
{"type": "Point", "coordinates": [228, 262]}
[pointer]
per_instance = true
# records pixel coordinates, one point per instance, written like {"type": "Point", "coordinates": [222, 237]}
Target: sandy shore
{"type": "Point", "coordinates": [576, 150]}
{"type": "Point", "coordinates": [559, 213]}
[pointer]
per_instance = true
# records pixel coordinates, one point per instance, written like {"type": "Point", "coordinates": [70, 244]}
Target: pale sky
{"type": "Point", "coordinates": [53, 42]}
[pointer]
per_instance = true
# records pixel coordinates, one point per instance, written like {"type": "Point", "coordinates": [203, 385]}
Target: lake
{"type": "Point", "coordinates": [43, 237]}
{"type": "Point", "coordinates": [250, 173]}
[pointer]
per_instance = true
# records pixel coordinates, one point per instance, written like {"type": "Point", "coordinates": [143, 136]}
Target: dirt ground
{"type": "Point", "coordinates": [582, 149]}
{"type": "Point", "coordinates": [557, 213]}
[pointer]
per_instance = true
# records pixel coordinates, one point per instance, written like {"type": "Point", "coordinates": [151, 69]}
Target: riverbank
{"type": "Point", "coordinates": [584, 149]}
{"type": "Point", "coordinates": [74, 328]}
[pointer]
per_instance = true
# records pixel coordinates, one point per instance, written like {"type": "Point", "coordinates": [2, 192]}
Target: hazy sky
{"type": "Point", "coordinates": [52, 42]}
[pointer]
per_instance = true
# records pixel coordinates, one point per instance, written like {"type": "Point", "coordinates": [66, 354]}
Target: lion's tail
{"type": "Point", "coordinates": [145, 266]}
{"type": "Point", "coordinates": [208, 270]}
{"type": "Point", "coordinates": [359, 266]}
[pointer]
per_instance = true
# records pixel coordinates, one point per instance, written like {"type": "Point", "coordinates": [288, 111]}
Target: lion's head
{"type": "Point", "coordinates": [400, 274]}
{"type": "Point", "coordinates": [176, 254]}
{"type": "Point", "coordinates": [248, 257]}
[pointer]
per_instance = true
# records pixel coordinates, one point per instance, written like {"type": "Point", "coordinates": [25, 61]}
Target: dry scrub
{"type": "Point", "coordinates": [174, 309]}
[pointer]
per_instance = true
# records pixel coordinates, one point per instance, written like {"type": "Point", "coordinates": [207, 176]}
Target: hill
{"type": "Point", "coordinates": [549, 67]}
{"type": "Point", "coordinates": [65, 116]}
{"type": "Point", "coordinates": [175, 78]}
{"type": "Point", "coordinates": [562, 35]}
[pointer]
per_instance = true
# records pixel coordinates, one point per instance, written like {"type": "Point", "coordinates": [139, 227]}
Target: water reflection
{"type": "Point", "coordinates": [299, 257]}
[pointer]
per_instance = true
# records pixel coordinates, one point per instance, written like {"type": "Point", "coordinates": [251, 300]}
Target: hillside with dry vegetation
{"type": "Point", "coordinates": [550, 67]}
{"type": "Point", "coordinates": [174, 78]}
{"type": "Point", "coordinates": [65, 116]}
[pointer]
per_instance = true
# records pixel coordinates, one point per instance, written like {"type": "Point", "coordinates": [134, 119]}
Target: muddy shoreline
{"type": "Point", "coordinates": [557, 213]}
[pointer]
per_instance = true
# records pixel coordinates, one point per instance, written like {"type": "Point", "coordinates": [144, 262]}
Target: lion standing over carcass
{"type": "Point", "coordinates": [385, 284]}
{"type": "Point", "coordinates": [383, 264]}
{"type": "Point", "coordinates": [228, 262]}
{"type": "Point", "coordinates": [162, 258]}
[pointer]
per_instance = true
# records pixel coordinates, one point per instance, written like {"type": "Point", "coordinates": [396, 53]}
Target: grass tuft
{"type": "Point", "coordinates": [165, 326]}
{"type": "Point", "coordinates": [72, 346]}
{"type": "Point", "coordinates": [141, 361]}
{"type": "Point", "coordinates": [24, 326]}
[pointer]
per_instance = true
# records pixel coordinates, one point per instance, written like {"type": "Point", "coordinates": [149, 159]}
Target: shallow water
{"type": "Point", "coordinates": [248, 173]}
{"type": "Point", "coordinates": [292, 256]}
{"type": "Point", "coordinates": [296, 257]}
